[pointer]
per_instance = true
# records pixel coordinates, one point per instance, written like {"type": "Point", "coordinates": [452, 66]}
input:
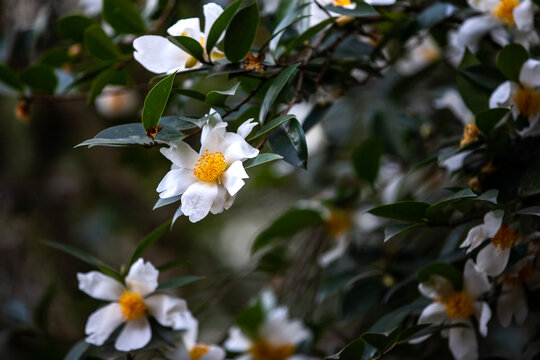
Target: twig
{"type": "Point", "coordinates": [163, 17]}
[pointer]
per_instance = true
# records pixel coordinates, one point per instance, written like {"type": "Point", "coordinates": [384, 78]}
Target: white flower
{"type": "Point", "coordinates": [130, 305]}
{"type": "Point", "coordinates": [158, 55]}
{"type": "Point", "coordinates": [493, 258]}
{"type": "Point", "coordinates": [277, 338]}
{"type": "Point", "coordinates": [91, 7]}
{"type": "Point", "coordinates": [116, 101]}
{"type": "Point", "coordinates": [187, 348]}
{"type": "Point", "coordinates": [318, 15]}
{"type": "Point", "coordinates": [456, 307]}
{"type": "Point", "coordinates": [524, 98]}
{"type": "Point", "coordinates": [421, 51]}
{"type": "Point", "coordinates": [208, 180]}
{"type": "Point", "coordinates": [452, 100]}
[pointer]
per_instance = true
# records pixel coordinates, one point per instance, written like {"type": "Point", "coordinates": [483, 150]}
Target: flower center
{"type": "Point", "coordinates": [338, 222]}
{"type": "Point", "coordinates": [470, 134]}
{"type": "Point", "coordinates": [505, 11]}
{"type": "Point", "coordinates": [527, 102]}
{"type": "Point", "coordinates": [198, 351]}
{"type": "Point", "coordinates": [210, 166]}
{"type": "Point", "coordinates": [261, 350]}
{"type": "Point", "coordinates": [430, 54]}
{"type": "Point", "coordinates": [342, 2]}
{"type": "Point", "coordinates": [459, 305]}
{"type": "Point", "coordinates": [504, 238]}
{"type": "Point", "coordinates": [132, 306]}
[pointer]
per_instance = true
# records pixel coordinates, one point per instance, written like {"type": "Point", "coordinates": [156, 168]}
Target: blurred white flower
{"type": "Point", "coordinates": [209, 180]}
{"type": "Point", "coordinates": [319, 15]}
{"type": "Point", "coordinates": [91, 7]}
{"type": "Point", "coordinates": [421, 51]}
{"type": "Point", "coordinates": [452, 100]}
{"type": "Point", "coordinates": [116, 101]}
{"type": "Point", "coordinates": [158, 55]}
{"type": "Point", "coordinates": [451, 306]}
{"type": "Point", "coordinates": [130, 305]}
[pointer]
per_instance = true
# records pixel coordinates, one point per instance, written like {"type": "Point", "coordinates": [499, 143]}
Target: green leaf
{"type": "Point", "coordinates": [292, 17]}
{"type": "Point", "coordinates": [261, 159]}
{"type": "Point", "coordinates": [78, 350]}
{"type": "Point", "coordinates": [110, 272]}
{"type": "Point", "coordinates": [99, 44]}
{"type": "Point", "coordinates": [149, 240]}
{"type": "Point", "coordinates": [73, 27]}
{"type": "Point", "coordinates": [376, 340]}
{"type": "Point", "coordinates": [308, 34]}
{"type": "Point", "coordinates": [271, 125]}
{"type": "Point", "coordinates": [218, 98]}
{"type": "Point", "coordinates": [532, 210]}
{"type": "Point", "coordinates": [189, 45]}
{"type": "Point", "coordinates": [287, 224]}
{"type": "Point", "coordinates": [99, 83]}
{"type": "Point", "coordinates": [250, 319]}
{"type": "Point", "coordinates": [392, 231]}
{"type": "Point", "coordinates": [442, 269]}
{"type": "Point", "coordinates": [474, 96]}
{"type": "Point", "coordinates": [155, 102]}
{"type": "Point", "coordinates": [353, 351]}
{"type": "Point", "coordinates": [404, 211]}
{"type": "Point", "coordinates": [55, 57]}
{"type": "Point", "coordinates": [410, 332]}
{"type": "Point", "coordinates": [436, 211]}
{"type": "Point", "coordinates": [132, 134]}
{"type": "Point", "coordinates": [487, 77]}
{"type": "Point", "coordinates": [241, 33]}
{"type": "Point", "coordinates": [435, 14]}
{"type": "Point", "coordinates": [191, 93]}
{"type": "Point", "coordinates": [289, 141]}
{"type": "Point", "coordinates": [10, 78]}
{"type": "Point", "coordinates": [273, 91]}
{"type": "Point", "coordinates": [529, 184]}
{"type": "Point", "coordinates": [123, 16]}
{"type": "Point", "coordinates": [487, 120]}
{"type": "Point", "coordinates": [367, 159]}
{"type": "Point", "coordinates": [510, 60]}
{"type": "Point", "coordinates": [40, 77]}
{"type": "Point", "coordinates": [361, 10]}
{"type": "Point", "coordinates": [178, 282]}
{"type": "Point", "coordinates": [41, 310]}
{"type": "Point", "coordinates": [173, 264]}
{"type": "Point", "coordinates": [221, 24]}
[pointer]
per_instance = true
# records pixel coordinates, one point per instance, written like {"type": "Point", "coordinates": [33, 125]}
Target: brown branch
{"type": "Point", "coordinates": [163, 17]}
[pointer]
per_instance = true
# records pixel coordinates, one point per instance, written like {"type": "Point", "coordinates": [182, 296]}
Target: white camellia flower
{"type": "Point", "coordinates": [318, 15]}
{"type": "Point", "coordinates": [421, 51]}
{"type": "Point", "coordinates": [493, 258]}
{"type": "Point", "coordinates": [452, 306]}
{"type": "Point", "coordinates": [130, 305]}
{"type": "Point", "coordinates": [187, 348]}
{"type": "Point", "coordinates": [524, 98]}
{"type": "Point", "coordinates": [158, 55]}
{"type": "Point", "coordinates": [209, 180]}
{"type": "Point", "coordinates": [277, 338]}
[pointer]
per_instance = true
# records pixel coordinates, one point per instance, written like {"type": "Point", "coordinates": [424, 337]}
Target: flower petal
{"type": "Point", "coordinates": [159, 55]}
{"type": "Point", "coordinates": [462, 343]}
{"type": "Point", "coordinates": [436, 287]}
{"type": "Point", "coordinates": [435, 314]}
{"type": "Point", "coordinates": [169, 311]}
{"type": "Point", "coordinates": [102, 323]}
{"type": "Point", "coordinates": [232, 178]}
{"type": "Point", "coordinates": [135, 335]}
{"type": "Point", "coordinates": [214, 353]}
{"type": "Point", "coordinates": [181, 155]}
{"type": "Point", "coordinates": [211, 12]}
{"type": "Point", "coordinates": [142, 277]}
{"type": "Point", "coordinates": [245, 129]}
{"type": "Point", "coordinates": [473, 29]}
{"type": "Point", "coordinates": [237, 341]}
{"type": "Point", "coordinates": [483, 314]}
{"type": "Point", "coordinates": [186, 27]}
{"type": "Point", "coordinates": [475, 282]}
{"type": "Point", "coordinates": [198, 199]}
{"type": "Point", "coordinates": [530, 73]}
{"type": "Point", "coordinates": [175, 183]}
{"type": "Point", "coordinates": [219, 202]}
{"type": "Point", "coordinates": [503, 94]}
{"type": "Point", "coordinates": [236, 148]}
{"type": "Point", "coordinates": [279, 330]}
{"type": "Point", "coordinates": [380, 2]}
{"type": "Point", "coordinates": [100, 286]}
{"type": "Point", "coordinates": [492, 260]}
{"type": "Point", "coordinates": [512, 302]}
{"type": "Point", "coordinates": [335, 252]}
{"type": "Point", "coordinates": [478, 234]}
{"type": "Point", "coordinates": [452, 100]}
{"type": "Point", "coordinates": [524, 16]}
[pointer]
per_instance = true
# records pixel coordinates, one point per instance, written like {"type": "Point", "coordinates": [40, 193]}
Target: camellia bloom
{"type": "Point", "coordinates": [130, 305]}
{"type": "Point", "coordinates": [421, 51]}
{"type": "Point", "coordinates": [493, 258]}
{"type": "Point", "coordinates": [277, 338]}
{"type": "Point", "coordinates": [451, 306]}
{"type": "Point", "coordinates": [208, 180]}
{"type": "Point", "coordinates": [158, 55]}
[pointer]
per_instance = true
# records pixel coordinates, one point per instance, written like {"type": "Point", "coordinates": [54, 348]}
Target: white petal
{"type": "Point", "coordinates": [100, 286]}
{"type": "Point", "coordinates": [186, 27]}
{"type": "Point", "coordinates": [211, 12]}
{"type": "Point", "coordinates": [335, 252]}
{"type": "Point", "coordinates": [245, 129]}
{"type": "Point", "coordinates": [214, 125]}
{"type": "Point", "coordinates": [159, 55]}
{"type": "Point", "coordinates": [524, 16]}
{"type": "Point", "coordinates": [236, 148]}
{"type": "Point", "coordinates": [503, 95]}
{"type": "Point", "coordinates": [232, 178]}
{"type": "Point", "coordinates": [492, 222]}
{"type": "Point", "coordinates": [219, 202]}
{"type": "Point", "coordinates": [473, 29]}
{"type": "Point", "coordinates": [279, 330]}
{"type": "Point", "coordinates": [462, 343]}
{"type": "Point", "coordinates": [135, 335]}
{"type": "Point", "coordinates": [492, 260]}
{"type": "Point", "coordinates": [436, 287]}
{"type": "Point", "coordinates": [175, 183]}
{"type": "Point", "coordinates": [530, 73]}
{"type": "Point", "coordinates": [198, 199]}
{"type": "Point", "coordinates": [189, 336]}
{"type": "Point", "coordinates": [512, 302]}
{"type": "Point", "coordinates": [102, 323]}
{"type": "Point", "coordinates": [475, 282]}
{"type": "Point", "coordinates": [142, 277]}
{"type": "Point", "coordinates": [435, 314]}
{"type": "Point", "coordinates": [214, 353]}
{"type": "Point", "coordinates": [452, 100]}
{"type": "Point", "coordinates": [483, 314]}
{"type": "Point", "coordinates": [478, 234]}
{"type": "Point", "coordinates": [237, 341]}
{"type": "Point", "coordinates": [169, 311]}
{"type": "Point", "coordinates": [380, 2]}
{"type": "Point", "coordinates": [181, 155]}
{"type": "Point", "coordinates": [455, 162]}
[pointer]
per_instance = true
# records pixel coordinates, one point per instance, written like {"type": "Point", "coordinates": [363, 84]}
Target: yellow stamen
{"type": "Point", "coordinates": [504, 238]}
{"type": "Point", "coordinates": [342, 2]}
{"type": "Point", "coordinates": [210, 166]}
{"type": "Point", "coordinates": [132, 306]}
{"type": "Point", "coordinates": [430, 54]}
{"type": "Point", "coordinates": [338, 222]}
{"type": "Point", "coordinates": [459, 305]}
{"type": "Point", "coordinates": [505, 11]}
{"type": "Point", "coordinates": [261, 350]}
{"type": "Point", "coordinates": [527, 102]}
{"type": "Point", "coordinates": [470, 134]}
{"type": "Point", "coordinates": [198, 351]}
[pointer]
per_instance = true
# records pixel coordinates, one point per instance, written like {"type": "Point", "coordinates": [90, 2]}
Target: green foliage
{"type": "Point", "coordinates": [271, 125]}
{"type": "Point", "coordinates": [241, 33]}
{"type": "Point", "coordinates": [529, 184]}
{"type": "Point", "coordinates": [221, 23]}
{"type": "Point", "coordinates": [289, 141]}
{"type": "Point", "coordinates": [218, 98]}
{"type": "Point", "coordinates": [510, 60]}
{"type": "Point", "coordinates": [262, 158]}
{"type": "Point", "coordinates": [487, 120]}
{"type": "Point", "coordinates": [73, 27]}
{"type": "Point", "coordinates": [189, 45]}
{"type": "Point", "coordinates": [10, 78]}
{"type": "Point", "coordinates": [250, 319]}
{"type": "Point", "coordinates": [99, 45]}
{"type": "Point", "coordinates": [353, 351]}
{"type": "Point", "coordinates": [155, 102]}
{"type": "Point", "coordinates": [435, 14]}
{"type": "Point", "coordinates": [274, 90]}
{"type": "Point", "coordinates": [40, 78]}
{"type": "Point", "coordinates": [178, 282]}
{"type": "Point", "coordinates": [403, 211]}
{"type": "Point", "coordinates": [123, 16]}
{"type": "Point", "coordinates": [148, 241]}
{"type": "Point", "coordinates": [441, 269]}
{"type": "Point", "coordinates": [367, 159]}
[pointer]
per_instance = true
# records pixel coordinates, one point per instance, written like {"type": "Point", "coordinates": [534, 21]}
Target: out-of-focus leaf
{"type": "Point", "coordinates": [40, 77]}
{"type": "Point", "coordinates": [532, 210]}
{"type": "Point", "coordinates": [99, 83]}
{"type": "Point", "coordinates": [287, 224]}
{"type": "Point", "coordinates": [529, 184]}
{"type": "Point", "coordinates": [191, 93]}
{"type": "Point", "coordinates": [10, 78]}
{"type": "Point", "coordinates": [218, 98]}
{"type": "Point", "coordinates": [274, 261]}
{"type": "Point", "coordinates": [221, 24]}
{"type": "Point", "coordinates": [435, 14]}
{"type": "Point", "coordinates": [404, 211]}
{"type": "Point", "coordinates": [250, 319]}
{"type": "Point", "coordinates": [435, 211]}
{"type": "Point", "coordinates": [367, 159]}
{"type": "Point", "coordinates": [292, 17]}
{"type": "Point", "coordinates": [271, 125]}
{"type": "Point", "coordinates": [487, 77]}
{"type": "Point", "coordinates": [155, 102]}
{"type": "Point", "coordinates": [394, 230]}
{"type": "Point", "coordinates": [410, 332]}
{"type": "Point", "coordinates": [178, 282]}
{"type": "Point", "coordinates": [361, 10]}
{"type": "Point", "coordinates": [99, 44]}
{"type": "Point", "coordinates": [148, 240]}
{"type": "Point", "coordinates": [510, 60]}
{"type": "Point", "coordinates": [289, 141]}
{"type": "Point", "coordinates": [353, 351]}
{"type": "Point", "coordinates": [442, 269]}
{"type": "Point", "coordinates": [487, 120]}
{"type": "Point", "coordinates": [189, 45]}
{"type": "Point", "coordinates": [273, 91]}
{"type": "Point", "coordinates": [73, 27]}
{"type": "Point", "coordinates": [123, 16]}
{"type": "Point", "coordinates": [475, 96]}
{"type": "Point", "coordinates": [262, 158]}
{"type": "Point", "coordinates": [173, 264]}
{"type": "Point", "coordinates": [55, 57]}
{"type": "Point", "coordinates": [489, 196]}
{"type": "Point", "coordinates": [241, 33]}
{"type": "Point", "coordinates": [309, 34]}
{"type": "Point", "coordinates": [131, 134]}
{"type": "Point", "coordinates": [41, 311]}
{"type": "Point", "coordinates": [78, 351]}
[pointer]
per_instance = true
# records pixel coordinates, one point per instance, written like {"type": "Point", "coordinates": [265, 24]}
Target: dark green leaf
{"type": "Point", "coordinates": [109, 271]}
{"type": "Point", "coordinates": [487, 120]}
{"type": "Point", "coordinates": [442, 269]}
{"type": "Point", "coordinates": [289, 141]}
{"type": "Point", "coordinates": [405, 211]}
{"type": "Point", "coordinates": [250, 319]}
{"type": "Point", "coordinates": [191, 93]}
{"type": "Point", "coordinates": [10, 78]}
{"type": "Point", "coordinates": [435, 212]}
{"type": "Point", "coordinates": [489, 196]}
{"type": "Point", "coordinates": [73, 27]}
{"type": "Point", "coordinates": [78, 351]}
{"type": "Point", "coordinates": [361, 10]}
{"type": "Point", "coordinates": [178, 282]}
{"type": "Point", "coordinates": [529, 184]}
{"type": "Point", "coordinates": [475, 97]}
{"type": "Point", "coordinates": [392, 231]}
{"type": "Point", "coordinates": [40, 78]}
{"type": "Point", "coordinates": [55, 57]}
{"type": "Point", "coordinates": [149, 240]}
{"type": "Point", "coordinates": [487, 77]}
{"type": "Point", "coordinates": [410, 332]}
{"type": "Point", "coordinates": [271, 125]}
{"type": "Point", "coordinates": [79, 254]}
{"type": "Point", "coordinates": [510, 60]}
{"type": "Point", "coordinates": [273, 91]}
{"type": "Point", "coordinates": [532, 210]}
{"type": "Point", "coordinates": [99, 83]}
{"type": "Point", "coordinates": [41, 310]}
{"type": "Point", "coordinates": [173, 264]}
{"type": "Point", "coordinates": [309, 34]}
{"type": "Point", "coordinates": [353, 351]}
{"type": "Point", "coordinates": [123, 16]}
{"type": "Point", "coordinates": [292, 17]}
{"type": "Point", "coordinates": [189, 45]}
{"type": "Point", "coordinates": [435, 14]}
{"type": "Point", "coordinates": [367, 159]}
{"type": "Point", "coordinates": [261, 159]}
{"type": "Point", "coordinates": [378, 341]}
{"type": "Point", "coordinates": [218, 98]}
{"type": "Point", "coordinates": [132, 134]}
{"type": "Point", "coordinates": [221, 24]}
{"type": "Point", "coordinates": [155, 102]}
{"type": "Point", "coordinates": [287, 224]}
{"type": "Point", "coordinates": [241, 33]}
{"type": "Point", "coordinates": [99, 44]}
